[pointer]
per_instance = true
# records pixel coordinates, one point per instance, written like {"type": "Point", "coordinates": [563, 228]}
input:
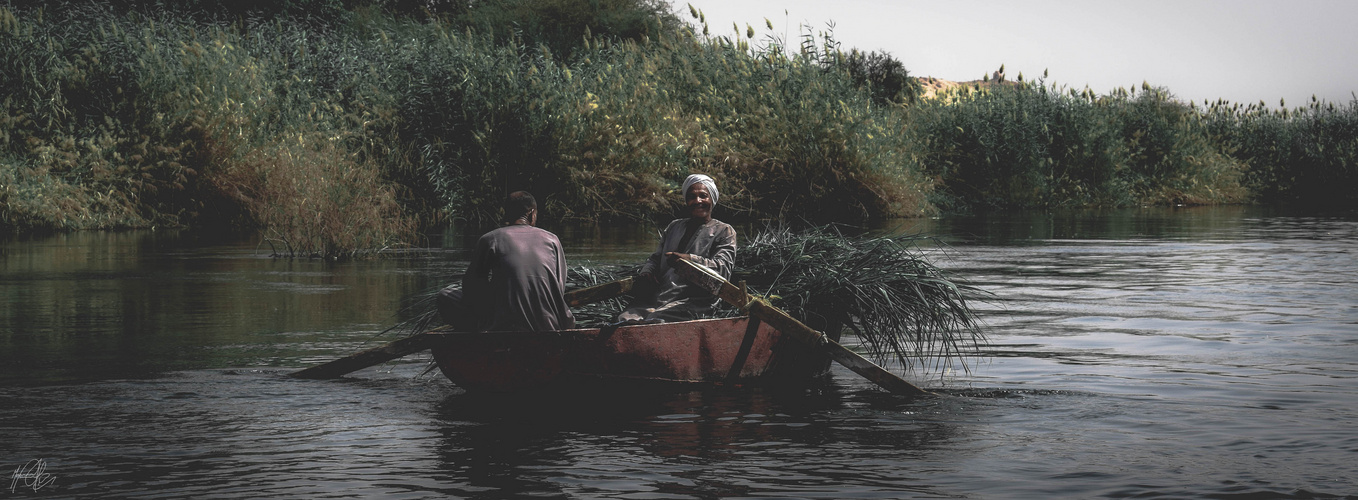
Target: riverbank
{"type": "Point", "coordinates": [340, 138]}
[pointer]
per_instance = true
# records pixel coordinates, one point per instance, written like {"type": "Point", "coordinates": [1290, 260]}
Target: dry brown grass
{"type": "Point", "coordinates": [317, 200]}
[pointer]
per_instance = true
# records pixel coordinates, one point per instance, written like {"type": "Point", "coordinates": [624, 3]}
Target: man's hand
{"type": "Point", "coordinates": [673, 256]}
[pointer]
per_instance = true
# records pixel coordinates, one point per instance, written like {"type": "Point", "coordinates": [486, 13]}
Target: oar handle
{"type": "Point", "coordinates": [709, 280]}
{"type": "Point", "coordinates": [370, 357]}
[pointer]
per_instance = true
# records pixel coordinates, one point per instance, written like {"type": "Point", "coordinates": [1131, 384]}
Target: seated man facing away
{"type": "Point", "coordinates": [516, 280]}
{"type": "Point", "coordinates": [661, 294]}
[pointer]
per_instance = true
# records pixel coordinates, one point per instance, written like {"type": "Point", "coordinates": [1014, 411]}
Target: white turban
{"type": "Point", "coordinates": [707, 181]}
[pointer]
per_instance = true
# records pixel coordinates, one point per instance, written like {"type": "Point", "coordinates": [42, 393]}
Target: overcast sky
{"type": "Point", "coordinates": [1240, 50]}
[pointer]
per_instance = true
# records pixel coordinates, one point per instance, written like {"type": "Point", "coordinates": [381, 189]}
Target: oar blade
{"type": "Point", "coordinates": [871, 371]}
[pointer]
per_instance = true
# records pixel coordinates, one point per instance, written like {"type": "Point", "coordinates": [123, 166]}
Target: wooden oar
{"type": "Point", "coordinates": [375, 356]}
{"type": "Point", "coordinates": [709, 280]}
{"type": "Point", "coordinates": [420, 341]}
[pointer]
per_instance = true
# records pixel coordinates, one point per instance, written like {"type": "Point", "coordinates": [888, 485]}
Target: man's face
{"type": "Point", "coordinates": [699, 201]}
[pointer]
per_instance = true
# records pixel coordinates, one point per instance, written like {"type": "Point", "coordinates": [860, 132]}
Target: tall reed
{"type": "Point", "coordinates": [1305, 156]}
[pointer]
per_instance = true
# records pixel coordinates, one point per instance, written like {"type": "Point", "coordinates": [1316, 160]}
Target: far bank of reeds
{"type": "Point", "coordinates": [338, 138]}
{"type": "Point", "coordinates": [1033, 145]}
{"type": "Point", "coordinates": [1303, 156]}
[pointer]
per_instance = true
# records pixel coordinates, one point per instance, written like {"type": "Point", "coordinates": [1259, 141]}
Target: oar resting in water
{"type": "Point", "coordinates": [419, 342]}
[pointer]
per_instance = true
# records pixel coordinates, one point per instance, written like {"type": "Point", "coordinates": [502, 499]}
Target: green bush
{"type": "Point", "coordinates": [128, 121]}
{"type": "Point", "coordinates": [610, 135]}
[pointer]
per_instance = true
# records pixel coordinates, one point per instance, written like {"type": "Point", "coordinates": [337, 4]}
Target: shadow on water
{"type": "Point", "coordinates": [1021, 228]}
{"type": "Point", "coordinates": [90, 306]}
{"type": "Point", "coordinates": [681, 442]}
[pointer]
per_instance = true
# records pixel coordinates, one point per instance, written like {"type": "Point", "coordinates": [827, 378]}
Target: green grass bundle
{"type": "Point", "coordinates": [882, 288]}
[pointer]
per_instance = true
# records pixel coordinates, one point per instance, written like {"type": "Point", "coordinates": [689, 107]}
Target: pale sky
{"type": "Point", "coordinates": [1240, 50]}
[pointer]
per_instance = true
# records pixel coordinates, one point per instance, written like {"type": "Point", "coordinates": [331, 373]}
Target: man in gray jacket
{"type": "Point", "coordinates": [661, 294]}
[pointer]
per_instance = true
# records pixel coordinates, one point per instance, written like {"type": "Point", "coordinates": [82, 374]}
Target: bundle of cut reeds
{"type": "Point", "coordinates": [882, 288]}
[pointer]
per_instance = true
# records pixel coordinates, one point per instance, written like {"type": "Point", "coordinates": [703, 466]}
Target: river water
{"type": "Point", "coordinates": [1190, 353]}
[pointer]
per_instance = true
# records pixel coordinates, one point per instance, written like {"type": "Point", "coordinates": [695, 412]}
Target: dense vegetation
{"type": "Point", "coordinates": [337, 127]}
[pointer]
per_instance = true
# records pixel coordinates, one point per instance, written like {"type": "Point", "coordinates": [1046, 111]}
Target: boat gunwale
{"type": "Point", "coordinates": [766, 371]}
{"type": "Point", "coordinates": [585, 333]}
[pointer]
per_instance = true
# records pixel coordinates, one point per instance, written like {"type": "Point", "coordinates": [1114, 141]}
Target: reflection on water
{"type": "Point", "coordinates": [94, 305]}
{"type": "Point", "coordinates": [1036, 228]}
{"type": "Point", "coordinates": [1143, 353]}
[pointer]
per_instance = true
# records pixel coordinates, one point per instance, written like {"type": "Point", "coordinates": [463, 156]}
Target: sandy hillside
{"type": "Point", "coordinates": [933, 86]}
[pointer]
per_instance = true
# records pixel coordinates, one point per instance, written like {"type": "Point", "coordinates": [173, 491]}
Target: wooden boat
{"type": "Point", "coordinates": [702, 351]}
{"type": "Point", "coordinates": [713, 351]}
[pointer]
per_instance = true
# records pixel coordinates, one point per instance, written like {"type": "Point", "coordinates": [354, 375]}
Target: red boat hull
{"type": "Point", "coordinates": [704, 351]}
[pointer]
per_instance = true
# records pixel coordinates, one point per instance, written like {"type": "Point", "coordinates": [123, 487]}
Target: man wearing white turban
{"type": "Point", "coordinates": [661, 295]}
{"type": "Point", "coordinates": [707, 182]}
